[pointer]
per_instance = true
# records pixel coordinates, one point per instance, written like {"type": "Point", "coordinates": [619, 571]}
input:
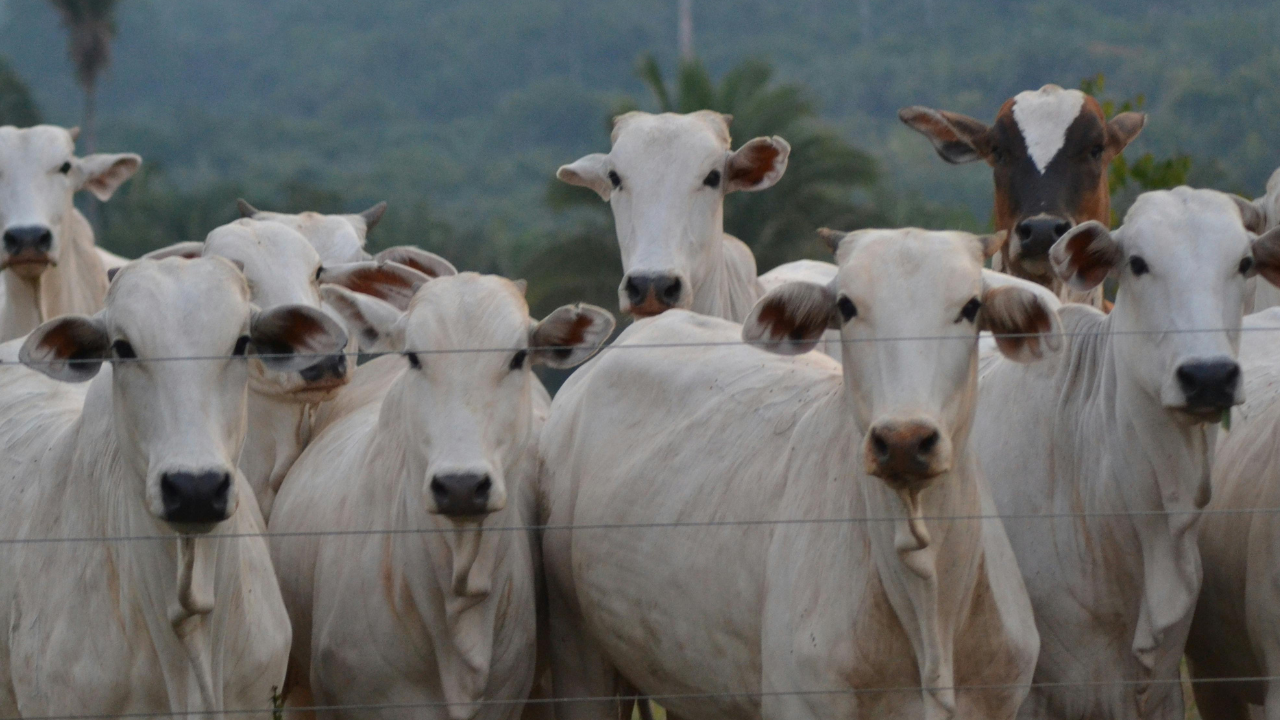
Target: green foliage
{"type": "Point", "coordinates": [17, 107]}
{"type": "Point", "coordinates": [1130, 178]}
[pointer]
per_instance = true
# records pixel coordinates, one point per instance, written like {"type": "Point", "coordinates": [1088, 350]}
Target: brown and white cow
{"type": "Point", "coordinates": [1049, 150]}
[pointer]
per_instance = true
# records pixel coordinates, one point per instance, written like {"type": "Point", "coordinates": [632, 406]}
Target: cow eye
{"type": "Point", "coordinates": [242, 346]}
{"type": "Point", "coordinates": [517, 360]}
{"type": "Point", "coordinates": [617, 181]}
{"type": "Point", "coordinates": [997, 155]}
{"type": "Point", "coordinates": [713, 179]}
{"type": "Point", "coordinates": [319, 272]}
{"type": "Point", "coordinates": [1246, 264]}
{"type": "Point", "coordinates": [66, 167]}
{"type": "Point", "coordinates": [848, 310]}
{"type": "Point", "coordinates": [1096, 152]}
{"type": "Point", "coordinates": [123, 350]}
{"type": "Point", "coordinates": [1138, 266]}
{"type": "Point", "coordinates": [970, 310]}
{"type": "Point", "coordinates": [413, 360]}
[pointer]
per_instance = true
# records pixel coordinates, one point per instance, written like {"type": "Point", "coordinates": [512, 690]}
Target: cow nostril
{"type": "Point", "coordinates": [1232, 375]}
{"type": "Point", "coordinates": [482, 489]}
{"type": "Point", "coordinates": [1061, 228]}
{"type": "Point", "coordinates": [633, 290]}
{"type": "Point", "coordinates": [1024, 231]}
{"type": "Point", "coordinates": [928, 443]}
{"type": "Point", "coordinates": [672, 293]}
{"type": "Point", "coordinates": [879, 446]}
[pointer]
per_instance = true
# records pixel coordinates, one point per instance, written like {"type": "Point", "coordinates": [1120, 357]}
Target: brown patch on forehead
{"type": "Point", "coordinates": [755, 167]}
{"type": "Point", "coordinates": [1092, 106]}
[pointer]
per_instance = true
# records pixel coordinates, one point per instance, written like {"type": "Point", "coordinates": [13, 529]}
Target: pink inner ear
{"type": "Point", "coordinates": [1090, 260]}
{"type": "Point", "coordinates": [759, 162]}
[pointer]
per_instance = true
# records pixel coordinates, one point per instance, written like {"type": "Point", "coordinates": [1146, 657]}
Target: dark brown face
{"type": "Point", "coordinates": [1049, 151]}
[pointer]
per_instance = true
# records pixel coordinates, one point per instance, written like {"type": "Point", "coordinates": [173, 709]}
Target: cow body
{"type": "Point", "coordinates": [49, 264]}
{"type": "Point", "coordinates": [709, 616]}
{"type": "Point", "coordinates": [1112, 441]}
{"type": "Point", "coordinates": [446, 600]}
{"type": "Point", "coordinates": [1049, 150]}
{"type": "Point", "coordinates": [131, 616]}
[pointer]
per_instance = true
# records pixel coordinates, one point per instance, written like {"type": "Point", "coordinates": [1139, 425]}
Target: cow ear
{"type": "Point", "coordinates": [373, 216]}
{"type": "Point", "coordinates": [246, 210]}
{"type": "Point", "coordinates": [757, 165]}
{"type": "Point", "coordinates": [791, 318]}
{"type": "Point", "coordinates": [70, 348]}
{"type": "Point", "coordinates": [1266, 256]}
{"type": "Point", "coordinates": [590, 171]}
{"type": "Point", "coordinates": [103, 173]}
{"type": "Point", "coordinates": [1122, 129]}
{"type": "Point", "coordinates": [374, 323]}
{"type": "Point", "coordinates": [1025, 325]}
{"type": "Point", "coordinates": [570, 335]}
{"type": "Point", "coordinates": [189, 249]}
{"type": "Point", "coordinates": [427, 263]}
{"type": "Point", "coordinates": [1253, 216]}
{"type": "Point", "coordinates": [957, 138]}
{"type": "Point", "coordinates": [992, 243]}
{"type": "Point", "coordinates": [1086, 255]}
{"type": "Point", "coordinates": [291, 338]}
{"type": "Point", "coordinates": [390, 282]}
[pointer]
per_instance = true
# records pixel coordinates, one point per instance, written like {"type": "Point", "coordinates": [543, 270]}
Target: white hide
{"type": "Point", "coordinates": [727, 607]}
{"type": "Point", "coordinates": [35, 192]}
{"type": "Point", "coordinates": [1233, 631]}
{"type": "Point", "coordinates": [667, 219]}
{"type": "Point", "coordinates": [1044, 116]}
{"type": "Point", "coordinates": [1097, 433]}
{"type": "Point", "coordinates": [1263, 295]}
{"type": "Point", "coordinates": [151, 626]}
{"type": "Point", "coordinates": [446, 615]}
{"type": "Point", "coordinates": [338, 238]}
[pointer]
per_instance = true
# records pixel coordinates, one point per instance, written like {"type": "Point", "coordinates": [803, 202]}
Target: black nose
{"type": "Point", "coordinates": [461, 494]}
{"type": "Point", "coordinates": [653, 293]}
{"type": "Point", "coordinates": [1036, 235]}
{"type": "Point", "coordinates": [195, 497]}
{"type": "Point", "coordinates": [333, 366]}
{"type": "Point", "coordinates": [1209, 385]}
{"type": "Point", "coordinates": [30, 238]}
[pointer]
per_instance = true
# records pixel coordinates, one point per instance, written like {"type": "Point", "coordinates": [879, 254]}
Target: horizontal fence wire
{"type": "Point", "coordinates": [462, 527]}
{"type": "Point", "coordinates": [614, 347]}
{"type": "Point", "coordinates": [661, 698]}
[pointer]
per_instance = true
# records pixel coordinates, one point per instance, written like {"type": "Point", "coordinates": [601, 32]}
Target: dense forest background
{"type": "Point", "coordinates": [458, 112]}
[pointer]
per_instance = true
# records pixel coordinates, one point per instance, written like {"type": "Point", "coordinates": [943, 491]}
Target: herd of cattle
{"type": "Point", "coordinates": [994, 495]}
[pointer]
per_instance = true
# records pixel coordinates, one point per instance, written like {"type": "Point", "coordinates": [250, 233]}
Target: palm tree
{"type": "Point", "coordinates": [17, 107]}
{"type": "Point", "coordinates": [91, 26]}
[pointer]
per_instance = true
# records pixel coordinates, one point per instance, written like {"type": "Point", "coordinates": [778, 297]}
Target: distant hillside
{"type": "Point", "coordinates": [470, 105]}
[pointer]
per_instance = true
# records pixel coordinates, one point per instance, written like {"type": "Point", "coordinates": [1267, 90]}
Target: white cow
{"type": "Point", "coordinates": [179, 620]}
{"type": "Point", "coordinates": [1233, 633]}
{"type": "Point", "coordinates": [438, 614]}
{"type": "Point", "coordinates": [665, 179]}
{"type": "Point", "coordinates": [283, 268]}
{"type": "Point", "coordinates": [338, 238]}
{"type": "Point", "coordinates": [728, 438]}
{"type": "Point", "coordinates": [1114, 440]}
{"type": "Point", "coordinates": [49, 262]}
{"type": "Point", "coordinates": [1261, 215]}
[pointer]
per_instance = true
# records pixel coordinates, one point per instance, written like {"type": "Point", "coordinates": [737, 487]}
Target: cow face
{"type": "Point", "coordinates": [466, 415]}
{"type": "Point", "coordinates": [1181, 259]}
{"type": "Point", "coordinates": [337, 238]}
{"type": "Point", "coordinates": [178, 424]}
{"type": "Point", "coordinates": [1049, 150]}
{"type": "Point", "coordinates": [909, 305]}
{"type": "Point", "coordinates": [666, 178]}
{"type": "Point", "coordinates": [39, 174]}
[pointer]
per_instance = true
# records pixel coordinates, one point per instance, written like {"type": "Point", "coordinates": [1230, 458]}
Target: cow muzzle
{"type": "Point", "coordinates": [644, 294]}
{"type": "Point", "coordinates": [465, 494]}
{"type": "Point", "coordinates": [1035, 235]}
{"type": "Point", "coordinates": [1208, 387]}
{"type": "Point", "coordinates": [27, 250]}
{"type": "Point", "coordinates": [197, 500]}
{"type": "Point", "coordinates": [907, 454]}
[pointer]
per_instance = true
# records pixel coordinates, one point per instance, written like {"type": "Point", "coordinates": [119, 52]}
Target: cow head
{"type": "Point", "coordinates": [909, 305]}
{"type": "Point", "coordinates": [338, 238]}
{"type": "Point", "coordinates": [1181, 259]}
{"type": "Point", "coordinates": [41, 174]}
{"type": "Point", "coordinates": [178, 424]}
{"type": "Point", "coordinates": [1049, 150]}
{"type": "Point", "coordinates": [666, 178]}
{"type": "Point", "coordinates": [466, 416]}
{"type": "Point", "coordinates": [283, 268]}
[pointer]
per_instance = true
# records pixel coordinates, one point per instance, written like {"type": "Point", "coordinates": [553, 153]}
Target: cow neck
{"type": "Point", "coordinates": [731, 288]}
{"type": "Point", "coordinates": [170, 581]}
{"type": "Point", "coordinates": [279, 429]}
{"type": "Point", "coordinates": [20, 312]}
{"type": "Point", "coordinates": [912, 573]}
{"type": "Point", "coordinates": [1161, 478]}
{"type": "Point", "coordinates": [447, 568]}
